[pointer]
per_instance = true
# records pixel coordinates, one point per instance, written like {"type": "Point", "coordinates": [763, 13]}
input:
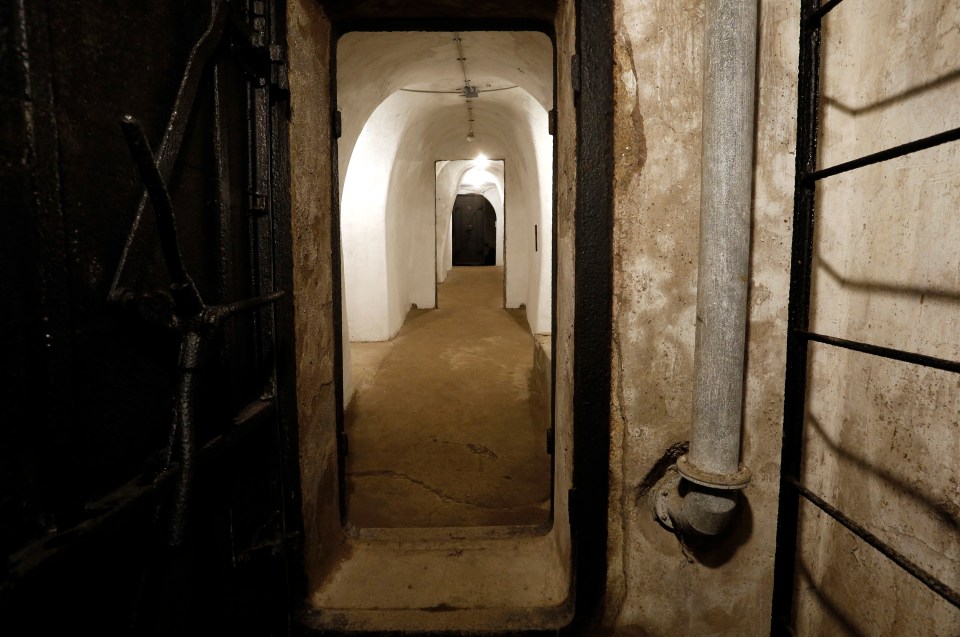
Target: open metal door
{"type": "Point", "coordinates": [167, 499]}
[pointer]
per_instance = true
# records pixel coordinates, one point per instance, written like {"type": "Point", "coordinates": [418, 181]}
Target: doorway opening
{"type": "Point", "coordinates": [446, 413]}
{"type": "Point", "coordinates": [473, 188]}
{"type": "Point", "coordinates": [509, 577]}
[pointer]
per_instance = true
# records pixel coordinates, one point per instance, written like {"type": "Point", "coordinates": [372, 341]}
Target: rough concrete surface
{"type": "Point", "coordinates": [882, 438]}
{"type": "Point", "coordinates": [724, 590]}
{"type": "Point", "coordinates": [444, 429]}
{"type": "Point", "coordinates": [311, 184]}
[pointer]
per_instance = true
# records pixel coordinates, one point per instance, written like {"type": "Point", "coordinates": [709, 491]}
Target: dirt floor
{"type": "Point", "coordinates": [442, 430]}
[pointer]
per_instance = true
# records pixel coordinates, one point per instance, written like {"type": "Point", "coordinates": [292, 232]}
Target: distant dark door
{"type": "Point", "coordinates": [474, 231]}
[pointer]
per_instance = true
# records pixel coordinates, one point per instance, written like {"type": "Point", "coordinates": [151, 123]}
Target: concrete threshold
{"type": "Point", "coordinates": [445, 580]}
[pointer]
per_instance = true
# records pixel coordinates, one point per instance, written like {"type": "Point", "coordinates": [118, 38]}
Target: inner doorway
{"type": "Point", "coordinates": [485, 578]}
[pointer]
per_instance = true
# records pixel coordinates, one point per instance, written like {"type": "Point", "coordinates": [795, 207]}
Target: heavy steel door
{"type": "Point", "coordinates": [156, 483]}
{"type": "Point", "coordinates": [474, 231]}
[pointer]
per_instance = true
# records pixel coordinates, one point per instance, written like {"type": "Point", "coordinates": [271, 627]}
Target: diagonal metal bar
{"type": "Point", "coordinates": [169, 148]}
{"type": "Point", "coordinates": [159, 198]}
{"type": "Point", "coordinates": [117, 508]}
{"type": "Point", "coordinates": [884, 155]}
{"type": "Point", "coordinates": [217, 313]}
{"type": "Point", "coordinates": [884, 352]}
{"type": "Point", "coordinates": [894, 555]}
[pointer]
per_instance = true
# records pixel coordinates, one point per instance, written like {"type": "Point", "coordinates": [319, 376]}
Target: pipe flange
{"type": "Point", "coordinates": [660, 502]}
{"type": "Point", "coordinates": [731, 481]}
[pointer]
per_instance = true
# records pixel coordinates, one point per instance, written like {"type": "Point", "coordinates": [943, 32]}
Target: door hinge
{"type": "Point", "coordinates": [337, 125]}
{"type": "Point", "coordinates": [278, 68]}
{"type": "Point", "coordinates": [575, 72]}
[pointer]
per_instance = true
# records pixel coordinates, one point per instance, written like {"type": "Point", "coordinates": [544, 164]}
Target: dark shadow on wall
{"type": "Point", "coordinates": [884, 286]}
{"type": "Point", "coordinates": [943, 510]}
{"type": "Point", "coordinates": [891, 99]}
{"type": "Point", "coordinates": [827, 603]}
{"type": "Point", "coordinates": [715, 552]}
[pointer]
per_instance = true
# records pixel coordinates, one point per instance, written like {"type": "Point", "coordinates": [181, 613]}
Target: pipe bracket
{"type": "Point", "coordinates": [731, 481]}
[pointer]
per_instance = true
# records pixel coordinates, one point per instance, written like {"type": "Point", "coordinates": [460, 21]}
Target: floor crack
{"type": "Point", "coordinates": [389, 473]}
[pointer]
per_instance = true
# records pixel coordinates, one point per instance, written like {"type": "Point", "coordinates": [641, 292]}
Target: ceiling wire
{"type": "Point", "coordinates": [463, 61]}
{"type": "Point", "coordinates": [458, 92]}
{"type": "Point", "coordinates": [468, 91]}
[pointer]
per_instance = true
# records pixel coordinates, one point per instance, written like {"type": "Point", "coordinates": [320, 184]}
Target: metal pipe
{"type": "Point", "coordinates": [712, 468]}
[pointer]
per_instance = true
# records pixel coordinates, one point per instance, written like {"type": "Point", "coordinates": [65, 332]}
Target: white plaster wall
{"type": "Point", "coordinates": [539, 287]}
{"type": "Point", "coordinates": [493, 195]}
{"type": "Point", "coordinates": [447, 180]}
{"type": "Point", "coordinates": [367, 251]}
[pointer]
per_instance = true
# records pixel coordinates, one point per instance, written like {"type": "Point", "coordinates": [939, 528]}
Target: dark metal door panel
{"type": "Point", "coordinates": [470, 224]}
{"type": "Point", "coordinates": [162, 494]}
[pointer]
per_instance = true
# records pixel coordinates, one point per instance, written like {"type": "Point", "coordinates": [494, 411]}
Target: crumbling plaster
{"type": "Point", "coordinates": [655, 585]}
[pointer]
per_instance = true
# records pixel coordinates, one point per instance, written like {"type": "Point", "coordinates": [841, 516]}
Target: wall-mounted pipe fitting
{"type": "Point", "coordinates": [702, 495]}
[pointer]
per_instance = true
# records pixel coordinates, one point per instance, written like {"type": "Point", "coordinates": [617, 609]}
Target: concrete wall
{"type": "Point", "coordinates": [565, 184]}
{"type": "Point", "coordinates": [655, 585]}
{"type": "Point", "coordinates": [311, 187]}
{"type": "Point", "coordinates": [883, 438]}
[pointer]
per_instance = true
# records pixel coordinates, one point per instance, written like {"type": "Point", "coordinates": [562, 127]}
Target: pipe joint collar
{"type": "Point", "coordinates": [691, 509]}
{"type": "Point", "coordinates": [724, 481]}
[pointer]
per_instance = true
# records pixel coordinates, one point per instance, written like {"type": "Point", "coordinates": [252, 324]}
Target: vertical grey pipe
{"type": "Point", "coordinates": [704, 501]}
{"type": "Point", "coordinates": [729, 71]}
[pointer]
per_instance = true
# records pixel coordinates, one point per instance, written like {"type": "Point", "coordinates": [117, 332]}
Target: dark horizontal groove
{"type": "Point", "coordinates": [885, 352]}
{"type": "Point", "coordinates": [951, 135]}
{"type": "Point", "coordinates": [901, 560]}
{"type": "Point", "coordinates": [813, 20]}
{"type": "Point", "coordinates": [140, 491]}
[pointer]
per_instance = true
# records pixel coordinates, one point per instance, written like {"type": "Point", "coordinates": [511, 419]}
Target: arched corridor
{"type": "Point", "coordinates": [448, 427]}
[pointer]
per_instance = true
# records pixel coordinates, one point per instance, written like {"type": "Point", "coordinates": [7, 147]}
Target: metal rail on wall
{"type": "Point", "coordinates": [799, 336]}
